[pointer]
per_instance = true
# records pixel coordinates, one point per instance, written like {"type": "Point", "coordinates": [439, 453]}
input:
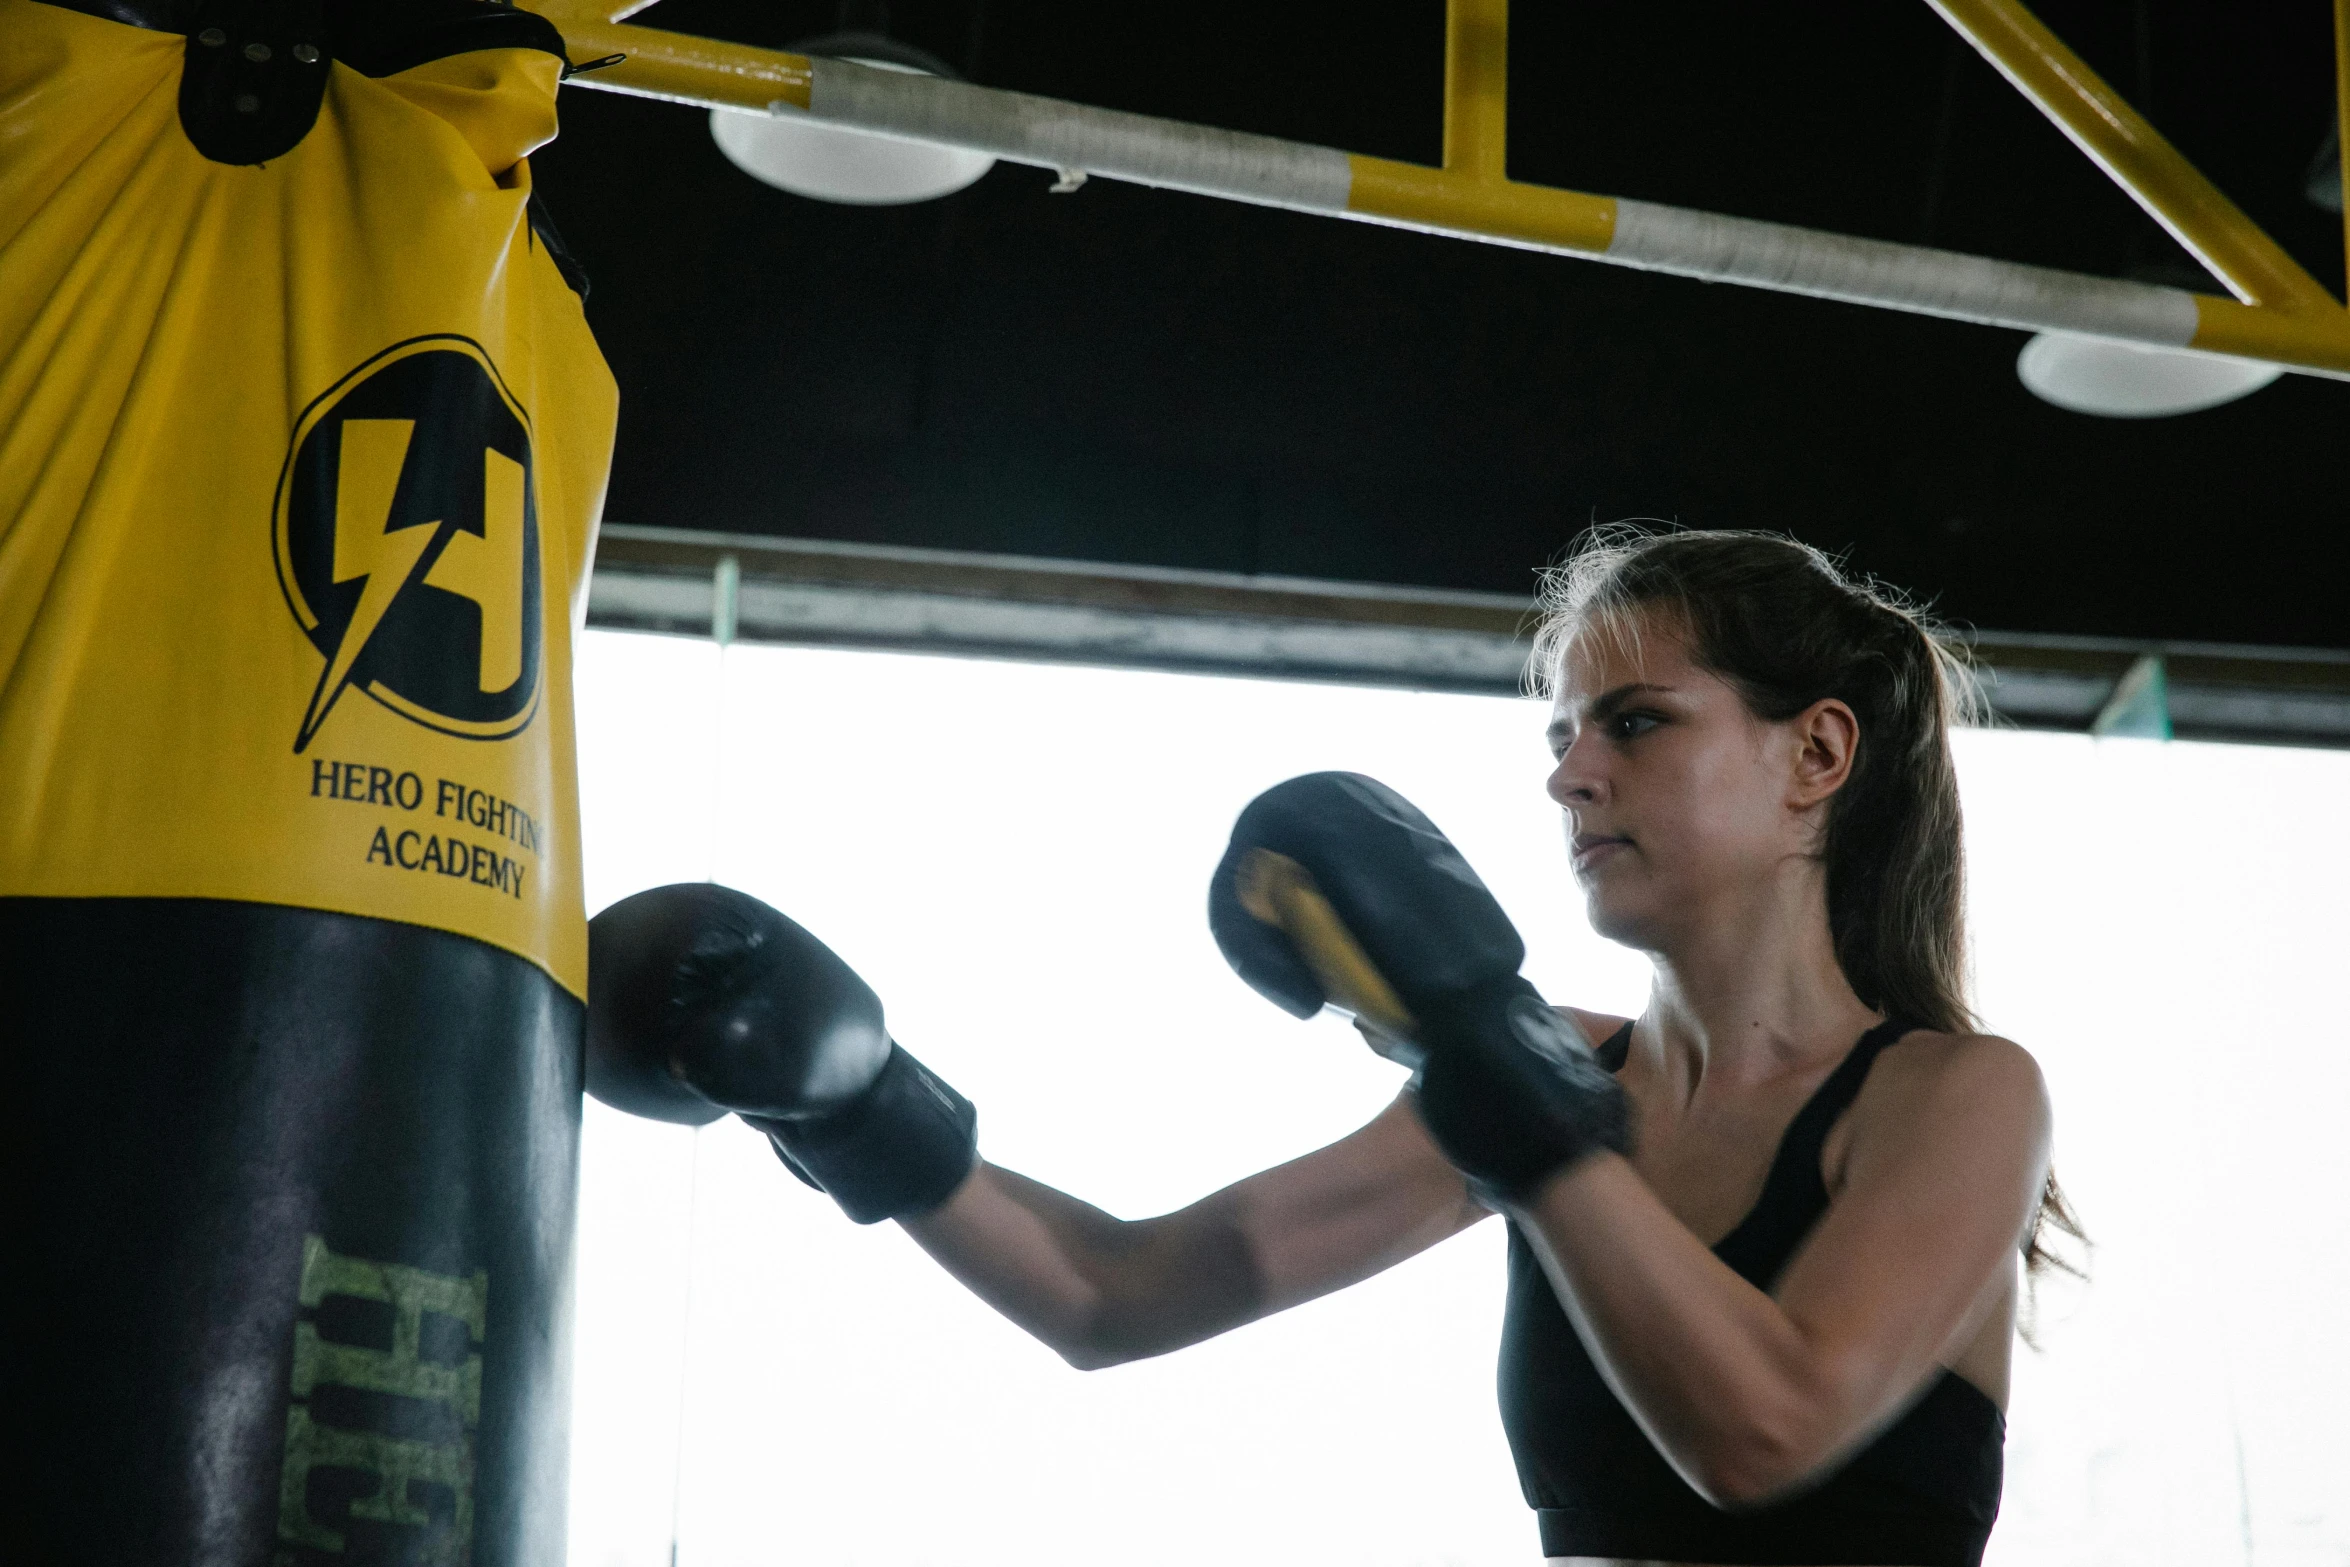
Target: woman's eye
{"type": "Point", "coordinates": [1628, 726]}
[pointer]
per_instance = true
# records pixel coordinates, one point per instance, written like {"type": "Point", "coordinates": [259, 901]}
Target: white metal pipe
{"type": "Point", "coordinates": [1050, 134]}
{"type": "Point", "coordinates": [1267, 171]}
{"type": "Point", "coordinates": [1905, 277]}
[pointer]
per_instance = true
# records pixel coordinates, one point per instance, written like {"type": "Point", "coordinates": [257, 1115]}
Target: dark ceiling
{"type": "Point", "coordinates": [1133, 376]}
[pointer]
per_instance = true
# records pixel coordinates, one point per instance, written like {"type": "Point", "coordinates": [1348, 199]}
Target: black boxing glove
{"type": "Point", "coordinates": [1510, 1093]}
{"type": "Point", "coordinates": [703, 1000]}
{"type": "Point", "coordinates": [1337, 891]}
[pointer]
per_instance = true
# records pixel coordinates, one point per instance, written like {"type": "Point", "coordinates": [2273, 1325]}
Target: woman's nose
{"type": "Point", "coordinates": [1573, 782]}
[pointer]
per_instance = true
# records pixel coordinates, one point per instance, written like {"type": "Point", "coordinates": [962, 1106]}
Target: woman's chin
{"type": "Point", "coordinates": [1620, 919]}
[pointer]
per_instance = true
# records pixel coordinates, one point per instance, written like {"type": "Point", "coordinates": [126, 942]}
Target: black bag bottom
{"type": "Point", "coordinates": [291, 1238]}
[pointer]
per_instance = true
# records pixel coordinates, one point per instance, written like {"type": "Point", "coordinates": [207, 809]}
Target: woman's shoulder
{"type": "Point", "coordinates": [1937, 1074]}
{"type": "Point", "coordinates": [1935, 1096]}
{"type": "Point", "coordinates": [1597, 1028]}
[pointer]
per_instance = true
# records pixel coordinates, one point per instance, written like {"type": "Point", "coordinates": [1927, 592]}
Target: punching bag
{"type": "Point", "coordinates": [303, 439]}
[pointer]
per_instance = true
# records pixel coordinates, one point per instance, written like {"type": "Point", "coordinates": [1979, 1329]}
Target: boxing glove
{"type": "Point", "coordinates": [1337, 891]}
{"type": "Point", "coordinates": [703, 1000]}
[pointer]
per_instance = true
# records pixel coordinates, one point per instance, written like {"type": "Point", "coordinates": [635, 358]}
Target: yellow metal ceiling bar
{"type": "Point", "coordinates": [1472, 197]}
{"type": "Point", "coordinates": [678, 66]}
{"type": "Point", "coordinates": [2119, 141]}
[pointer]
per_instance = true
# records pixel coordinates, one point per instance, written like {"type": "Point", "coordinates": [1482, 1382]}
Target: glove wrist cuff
{"type": "Point", "coordinates": [1511, 1095]}
{"type": "Point", "coordinates": [899, 1149]}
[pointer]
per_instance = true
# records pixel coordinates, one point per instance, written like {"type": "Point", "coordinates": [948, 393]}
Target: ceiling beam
{"type": "Point", "coordinates": [818, 593]}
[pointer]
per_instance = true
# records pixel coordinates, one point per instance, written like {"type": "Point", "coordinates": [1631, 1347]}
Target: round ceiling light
{"type": "Point", "coordinates": [836, 163]}
{"type": "Point", "coordinates": [2097, 375]}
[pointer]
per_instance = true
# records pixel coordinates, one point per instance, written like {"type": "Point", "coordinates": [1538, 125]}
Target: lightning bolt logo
{"type": "Point", "coordinates": [366, 545]}
{"type": "Point", "coordinates": [407, 542]}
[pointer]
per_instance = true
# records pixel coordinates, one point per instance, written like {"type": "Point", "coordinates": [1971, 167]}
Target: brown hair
{"type": "Point", "coordinates": [1787, 628]}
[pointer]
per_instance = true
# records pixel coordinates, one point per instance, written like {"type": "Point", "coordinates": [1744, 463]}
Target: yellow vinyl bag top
{"type": "Point", "coordinates": [300, 469]}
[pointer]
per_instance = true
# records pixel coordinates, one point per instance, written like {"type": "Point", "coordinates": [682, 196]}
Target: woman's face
{"type": "Point", "coordinates": [1682, 806]}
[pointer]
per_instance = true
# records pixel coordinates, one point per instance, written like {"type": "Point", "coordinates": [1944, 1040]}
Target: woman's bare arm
{"type": "Point", "coordinates": [1750, 1394]}
{"type": "Point", "coordinates": [1101, 1290]}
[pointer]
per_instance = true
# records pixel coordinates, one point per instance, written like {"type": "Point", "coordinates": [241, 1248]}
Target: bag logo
{"type": "Point", "coordinates": [380, 1436]}
{"type": "Point", "coordinates": [407, 539]}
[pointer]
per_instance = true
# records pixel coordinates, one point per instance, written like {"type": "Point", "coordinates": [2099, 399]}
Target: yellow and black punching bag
{"type": "Point", "coordinates": [303, 439]}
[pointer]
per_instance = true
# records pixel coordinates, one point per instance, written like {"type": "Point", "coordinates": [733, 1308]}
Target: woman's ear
{"type": "Point", "coordinates": [1827, 738]}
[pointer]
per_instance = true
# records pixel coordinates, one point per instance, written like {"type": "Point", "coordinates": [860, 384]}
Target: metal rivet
{"type": "Point", "coordinates": [212, 38]}
{"type": "Point", "coordinates": [247, 104]}
{"type": "Point", "coordinates": [256, 52]}
{"type": "Point", "coordinates": [306, 53]}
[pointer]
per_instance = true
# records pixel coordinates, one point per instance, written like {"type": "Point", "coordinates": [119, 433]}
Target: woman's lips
{"type": "Point", "coordinates": [1591, 847]}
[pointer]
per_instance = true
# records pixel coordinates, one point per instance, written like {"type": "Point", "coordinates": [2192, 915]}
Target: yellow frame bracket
{"type": "Point", "coordinates": [1477, 89]}
{"type": "Point", "coordinates": [2279, 308]}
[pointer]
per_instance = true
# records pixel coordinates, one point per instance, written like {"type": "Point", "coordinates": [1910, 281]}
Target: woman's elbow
{"type": "Point", "coordinates": [1074, 1336]}
{"type": "Point", "coordinates": [1761, 1459]}
{"type": "Point", "coordinates": [1741, 1485]}
{"type": "Point", "coordinates": [1087, 1354]}
{"type": "Point", "coordinates": [1101, 1338]}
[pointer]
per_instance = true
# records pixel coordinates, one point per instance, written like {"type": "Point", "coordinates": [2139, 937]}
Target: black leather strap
{"type": "Point", "coordinates": [373, 37]}
{"type": "Point", "coordinates": [256, 70]}
{"type": "Point", "coordinates": [381, 37]}
{"type": "Point", "coordinates": [542, 224]}
{"type": "Point", "coordinates": [253, 78]}
{"type": "Point", "coordinates": [163, 16]}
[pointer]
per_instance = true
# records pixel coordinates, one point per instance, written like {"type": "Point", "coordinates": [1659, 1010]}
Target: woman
{"type": "Point", "coordinates": [1777, 1328]}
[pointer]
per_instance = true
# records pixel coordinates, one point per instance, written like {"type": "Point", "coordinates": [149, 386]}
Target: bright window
{"type": "Point", "coordinates": [1015, 856]}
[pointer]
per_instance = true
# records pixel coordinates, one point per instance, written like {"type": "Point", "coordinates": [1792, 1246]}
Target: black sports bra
{"type": "Point", "coordinates": [1923, 1494]}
